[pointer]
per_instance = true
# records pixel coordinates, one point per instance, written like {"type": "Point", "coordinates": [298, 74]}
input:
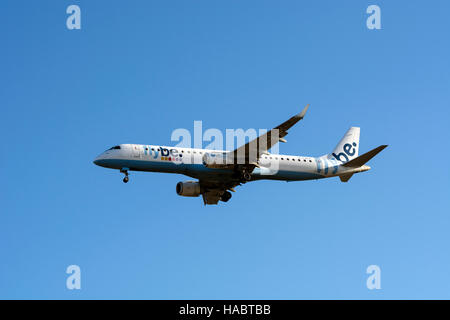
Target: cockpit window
{"type": "Point", "coordinates": [116, 147]}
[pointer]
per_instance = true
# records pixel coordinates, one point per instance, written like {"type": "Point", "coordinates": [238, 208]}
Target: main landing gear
{"type": "Point", "coordinates": [242, 175]}
{"type": "Point", "coordinates": [125, 172]}
{"type": "Point", "coordinates": [225, 196]}
{"type": "Point", "coordinates": [246, 175]}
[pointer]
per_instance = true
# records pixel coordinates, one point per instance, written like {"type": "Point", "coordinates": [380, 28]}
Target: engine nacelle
{"type": "Point", "coordinates": [188, 189]}
{"type": "Point", "coordinates": [216, 160]}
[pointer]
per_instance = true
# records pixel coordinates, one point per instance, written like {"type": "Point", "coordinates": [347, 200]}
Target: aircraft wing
{"type": "Point", "coordinates": [246, 158]}
{"type": "Point", "coordinates": [249, 153]}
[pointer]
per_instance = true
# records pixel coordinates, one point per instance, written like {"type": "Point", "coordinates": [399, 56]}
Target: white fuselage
{"type": "Point", "coordinates": [190, 162]}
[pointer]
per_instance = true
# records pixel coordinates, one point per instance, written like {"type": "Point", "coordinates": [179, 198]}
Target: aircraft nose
{"type": "Point", "coordinates": [98, 161]}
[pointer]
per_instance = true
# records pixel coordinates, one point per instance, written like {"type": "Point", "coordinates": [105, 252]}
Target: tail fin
{"type": "Point", "coordinates": [347, 149]}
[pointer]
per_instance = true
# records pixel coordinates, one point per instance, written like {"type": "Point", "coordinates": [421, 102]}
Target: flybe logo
{"type": "Point", "coordinates": [325, 164]}
{"type": "Point", "coordinates": [349, 151]}
{"type": "Point", "coordinates": [166, 154]}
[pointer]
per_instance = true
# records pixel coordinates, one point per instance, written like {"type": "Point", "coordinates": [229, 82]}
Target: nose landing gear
{"type": "Point", "coordinates": [125, 172]}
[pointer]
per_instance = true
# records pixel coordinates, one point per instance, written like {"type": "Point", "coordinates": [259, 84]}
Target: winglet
{"type": "Point", "coordinates": [302, 114]}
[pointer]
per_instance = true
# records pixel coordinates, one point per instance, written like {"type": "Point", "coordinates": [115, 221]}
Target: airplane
{"type": "Point", "coordinates": [219, 171]}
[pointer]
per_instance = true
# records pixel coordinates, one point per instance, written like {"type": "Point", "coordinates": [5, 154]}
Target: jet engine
{"type": "Point", "coordinates": [188, 189]}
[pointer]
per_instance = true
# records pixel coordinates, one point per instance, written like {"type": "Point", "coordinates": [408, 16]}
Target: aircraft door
{"type": "Point", "coordinates": [136, 151]}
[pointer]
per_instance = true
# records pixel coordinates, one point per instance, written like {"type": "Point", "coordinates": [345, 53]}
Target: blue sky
{"type": "Point", "coordinates": [137, 70]}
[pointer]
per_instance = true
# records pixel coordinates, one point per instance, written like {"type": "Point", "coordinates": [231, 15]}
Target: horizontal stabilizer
{"type": "Point", "coordinates": [361, 160]}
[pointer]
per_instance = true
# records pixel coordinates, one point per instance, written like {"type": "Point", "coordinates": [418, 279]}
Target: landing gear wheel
{"type": "Point", "coordinates": [247, 176]}
{"type": "Point", "coordinates": [125, 172]}
{"type": "Point", "coordinates": [226, 196]}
